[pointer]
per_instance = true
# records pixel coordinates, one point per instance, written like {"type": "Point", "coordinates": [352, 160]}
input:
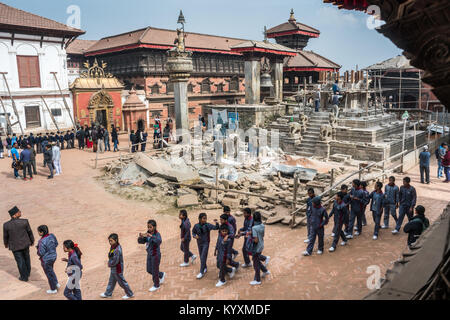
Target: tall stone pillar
{"type": "Point", "coordinates": [179, 65]}
{"type": "Point", "coordinates": [252, 71]}
{"type": "Point", "coordinates": [277, 78]}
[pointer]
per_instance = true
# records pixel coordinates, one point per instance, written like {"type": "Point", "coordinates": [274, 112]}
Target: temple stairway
{"type": "Point", "coordinates": [311, 136]}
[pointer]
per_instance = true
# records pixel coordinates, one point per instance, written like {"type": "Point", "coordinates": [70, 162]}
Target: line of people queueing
{"type": "Point", "coordinates": [349, 212]}
{"type": "Point", "coordinates": [18, 237]}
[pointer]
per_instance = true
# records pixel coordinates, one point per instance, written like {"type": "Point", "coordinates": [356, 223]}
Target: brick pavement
{"type": "Point", "coordinates": [76, 206]}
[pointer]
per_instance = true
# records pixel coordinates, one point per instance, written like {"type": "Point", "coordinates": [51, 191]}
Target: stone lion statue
{"type": "Point", "coordinates": [326, 132]}
{"type": "Point", "coordinates": [295, 130]}
{"type": "Point", "coordinates": [303, 120]}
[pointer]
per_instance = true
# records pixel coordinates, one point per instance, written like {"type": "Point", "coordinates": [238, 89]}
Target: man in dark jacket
{"type": "Point", "coordinates": [424, 158]}
{"type": "Point", "coordinates": [416, 226]}
{"type": "Point", "coordinates": [18, 237]}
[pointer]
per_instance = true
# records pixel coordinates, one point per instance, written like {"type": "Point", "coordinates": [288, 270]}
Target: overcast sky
{"type": "Point", "coordinates": [345, 37]}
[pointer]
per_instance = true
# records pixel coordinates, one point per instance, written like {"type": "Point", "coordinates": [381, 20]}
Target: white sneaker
{"type": "Point", "coordinates": [266, 262]}
{"type": "Point", "coordinates": [343, 243]}
{"type": "Point", "coordinates": [355, 228]}
{"type": "Point", "coordinates": [375, 237]}
{"type": "Point", "coordinates": [319, 251]}
{"type": "Point", "coordinates": [103, 295]}
{"type": "Point", "coordinates": [246, 265]}
{"type": "Point", "coordinates": [52, 291]}
{"type": "Point", "coordinates": [193, 258]}
{"type": "Point", "coordinates": [395, 231]}
{"type": "Point", "coordinates": [220, 283]}
{"type": "Point", "coordinates": [58, 286]}
{"type": "Point", "coordinates": [356, 233]}
{"type": "Point", "coordinates": [254, 282]}
{"type": "Point", "coordinates": [306, 241]}
{"type": "Point", "coordinates": [161, 281]}
{"type": "Point", "coordinates": [232, 273]}
{"type": "Point", "coordinates": [200, 275]}
{"type": "Point", "coordinates": [265, 274]}
{"type": "Point", "coordinates": [332, 234]}
{"type": "Point", "coordinates": [184, 264]}
{"type": "Point", "coordinates": [384, 227]}
{"type": "Point", "coordinates": [153, 289]}
{"type": "Point", "coordinates": [126, 297]}
{"type": "Point", "coordinates": [331, 249]}
{"type": "Point", "coordinates": [306, 253]}
{"type": "Point", "coordinates": [349, 236]}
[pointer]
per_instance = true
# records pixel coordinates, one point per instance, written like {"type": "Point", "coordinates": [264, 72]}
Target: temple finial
{"type": "Point", "coordinates": [292, 17]}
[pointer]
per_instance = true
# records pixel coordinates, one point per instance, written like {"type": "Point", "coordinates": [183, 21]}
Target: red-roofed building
{"type": "Point", "coordinates": [304, 64]}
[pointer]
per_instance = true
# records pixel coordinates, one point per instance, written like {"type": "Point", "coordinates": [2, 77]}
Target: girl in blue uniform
{"type": "Point", "coordinates": [73, 270]}
{"type": "Point", "coordinates": [46, 250]}
{"type": "Point", "coordinates": [152, 239]}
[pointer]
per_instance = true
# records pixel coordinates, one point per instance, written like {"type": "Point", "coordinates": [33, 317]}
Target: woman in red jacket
{"type": "Point", "coordinates": [446, 164]}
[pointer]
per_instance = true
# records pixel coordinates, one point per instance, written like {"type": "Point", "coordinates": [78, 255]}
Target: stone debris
{"type": "Point", "coordinates": [266, 186]}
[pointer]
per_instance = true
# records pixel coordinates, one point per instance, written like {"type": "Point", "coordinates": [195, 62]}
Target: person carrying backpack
{"type": "Point", "coordinates": [417, 225]}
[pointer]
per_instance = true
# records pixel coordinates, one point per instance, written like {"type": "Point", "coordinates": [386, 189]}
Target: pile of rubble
{"type": "Point", "coordinates": [263, 185]}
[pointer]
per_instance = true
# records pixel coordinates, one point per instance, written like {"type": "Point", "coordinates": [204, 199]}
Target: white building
{"type": "Point", "coordinates": [32, 48]}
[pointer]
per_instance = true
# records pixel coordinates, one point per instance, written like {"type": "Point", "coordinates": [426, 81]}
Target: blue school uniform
{"type": "Point", "coordinates": [319, 218]}
{"type": "Point", "coordinates": [46, 250]}
{"type": "Point", "coordinates": [407, 202]}
{"type": "Point", "coordinates": [202, 231]}
{"type": "Point", "coordinates": [339, 211]}
{"type": "Point", "coordinates": [223, 254]}
{"type": "Point", "coordinates": [185, 228]}
{"type": "Point", "coordinates": [356, 209]}
{"type": "Point", "coordinates": [115, 263]}
{"type": "Point", "coordinates": [376, 207]}
{"type": "Point", "coordinates": [391, 199]}
{"type": "Point", "coordinates": [153, 244]}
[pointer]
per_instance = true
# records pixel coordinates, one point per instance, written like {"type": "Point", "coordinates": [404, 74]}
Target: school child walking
{"type": "Point", "coordinates": [257, 239]}
{"type": "Point", "coordinates": [73, 270]}
{"type": "Point", "coordinates": [115, 263]}
{"type": "Point", "coordinates": [391, 199]}
{"type": "Point", "coordinates": [185, 228]}
{"type": "Point", "coordinates": [152, 240]}
{"type": "Point", "coordinates": [244, 231]}
{"type": "Point", "coordinates": [311, 196]}
{"type": "Point", "coordinates": [366, 201]}
{"type": "Point", "coordinates": [376, 207]}
{"type": "Point", "coordinates": [201, 232]}
{"type": "Point", "coordinates": [346, 200]}
{"type": "Point", "coordinates": [232, 221]}
{"type": "Point", "coordinates": [46, 250]}
{"type": "Point", "coordinates": [231, 234]}
{"type": "Point", "coordinates": [407, 201]}
{"type": "Point", "coordinates": [319, 218]}
{"type": "Point", "coordinates": [223, 248]}
{"type": "Point", "coordinates": [417, 225]}
{"type": "Point", "coordinates": [339, 211]}
{"type": "Point", "coordinates": [356, 207]}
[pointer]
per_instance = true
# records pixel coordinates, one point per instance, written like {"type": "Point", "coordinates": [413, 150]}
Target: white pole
{"type": "Point", "coordinates": [403, 141]}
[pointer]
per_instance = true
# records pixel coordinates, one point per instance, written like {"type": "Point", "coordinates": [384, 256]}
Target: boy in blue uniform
{"type": "Point", "coordinates": [407, 202]}
{"type": "Point", "coordinates": [224, 255]}
{"type": "Point", "coordinates": [391, 198]}
{"type": "Point", "coordinates": [339, 211]}
{"type": "Point", "coordinates": [311, 196]}
{"type": "Point", "coordinates": [232, 221]}
{"type": "Point", "coordinates": [115, 263]}
{"type": "Point", "coordinates": [319, 219]}
{"type": "Point", "coordinates": [356, 208]}
{"type": "Point", "coordinates": [201, 232]}
{"type": "Point", "coordinates": [152, 240]}
{"type": "Point", "coordinates": [376, 207]}
{"type": "Point", "coordinates": [346, 200]}
{"type": "Point", "coordinates": [257, 245]}
{"type": "Point", "coordinates": [185, 228]}
{"type": "Point", "coordinates": [231, 233]}
{"type": "Point", "coordinates": [366, 201]}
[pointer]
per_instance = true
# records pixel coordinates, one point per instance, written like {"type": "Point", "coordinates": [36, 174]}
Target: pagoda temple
{"type": "Point", "coordinates": [306, 64]}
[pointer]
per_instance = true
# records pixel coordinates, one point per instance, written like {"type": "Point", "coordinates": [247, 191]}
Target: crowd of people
{"type": "Point", "coordinates": [349, 213]}
{"type": "Point", "coordinates": [18, 237]}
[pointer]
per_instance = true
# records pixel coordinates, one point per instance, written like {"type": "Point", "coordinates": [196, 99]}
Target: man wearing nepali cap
{"type": "Point", "coordinates": [18, 237]}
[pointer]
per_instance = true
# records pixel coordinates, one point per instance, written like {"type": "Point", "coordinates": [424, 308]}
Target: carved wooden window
{"type": "Point", "coordinates": [155, 88]}
{"type": "Point", "coordinates": [29, 73]}
{"type": "Point", "coordinates": [190, 88]}
{"type": "Point", "coordinates": [220, 87]}
{"type": "Point", "coordinates": [206, 86]}
{"type": "Point", "coordinates": [234, 84]}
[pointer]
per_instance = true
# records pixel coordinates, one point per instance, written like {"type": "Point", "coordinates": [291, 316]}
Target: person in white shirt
{"type": "Point", "coordinates": [56, 159]}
